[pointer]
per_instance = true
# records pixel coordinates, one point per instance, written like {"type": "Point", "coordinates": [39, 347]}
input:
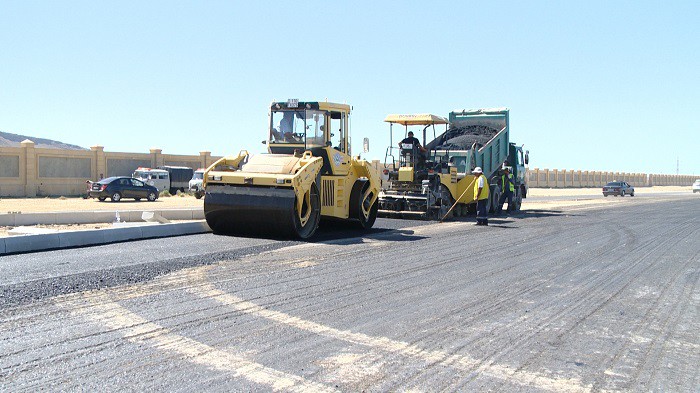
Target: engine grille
{"type": "Point", "coordinates": [327, 193]}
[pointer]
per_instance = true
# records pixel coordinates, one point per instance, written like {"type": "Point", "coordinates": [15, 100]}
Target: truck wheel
{"type": "Point", "coordinates": [173, 191]}
{"type": "Point", "coordinates": [493, 199]}
{"type": "Point", "coordinates": [198, 195]}
{"type": "Point", "coordinates": [116, 197]}
{"type": "Point", "coordinates": [517, 203]}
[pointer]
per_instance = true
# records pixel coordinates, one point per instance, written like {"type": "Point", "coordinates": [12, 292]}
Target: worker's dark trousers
{"type": "Point", "coordinates": [482, 213]}
{"type": "Point", "coordinates": [507, 194]}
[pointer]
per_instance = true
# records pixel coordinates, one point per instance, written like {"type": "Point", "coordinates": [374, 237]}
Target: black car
{"type": "Point", "coordinates": [117, 188]}
{"type": "Point", "coordinates": [616, 188]}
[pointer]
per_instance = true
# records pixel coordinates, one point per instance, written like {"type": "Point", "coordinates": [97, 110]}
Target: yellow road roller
{"type": "Point", "coordinates": [308, 175]}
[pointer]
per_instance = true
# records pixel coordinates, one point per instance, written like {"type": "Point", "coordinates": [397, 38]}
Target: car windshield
{"type": "Point", "coordinates": [614, 184]}
{"type": "Point", "coordinates": [300, 127]}
{"type": "Point", "coordinates": [198, 175]}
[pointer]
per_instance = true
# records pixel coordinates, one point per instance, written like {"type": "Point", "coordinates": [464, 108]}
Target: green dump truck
{"type": "Point", "coordinates": [426, 184]}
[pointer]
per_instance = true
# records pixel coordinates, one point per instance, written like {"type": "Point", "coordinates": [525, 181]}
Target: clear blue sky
{"type": "Point", "coordinates": [599, 85]}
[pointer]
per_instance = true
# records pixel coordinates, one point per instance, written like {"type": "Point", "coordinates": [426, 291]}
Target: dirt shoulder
{"type": "Point", "coordinates": [64, 204]}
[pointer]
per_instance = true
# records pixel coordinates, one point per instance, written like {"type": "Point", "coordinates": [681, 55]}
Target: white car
{"type": "Point", "coordinates": [696, 186]}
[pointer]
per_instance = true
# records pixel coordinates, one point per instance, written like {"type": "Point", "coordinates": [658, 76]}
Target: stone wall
{"type": "Point", "coordinates": [563, 178]}
{"type": "Point", "coordinates": [27, 171]}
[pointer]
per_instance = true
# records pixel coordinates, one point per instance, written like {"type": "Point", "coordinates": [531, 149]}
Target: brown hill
{"type": "Point", "coordinates": [13, 140]}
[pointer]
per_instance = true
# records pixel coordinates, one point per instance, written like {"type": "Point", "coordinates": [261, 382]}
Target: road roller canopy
{"type": "Point", "coordinates": [423, 119]}
{"type": "Point", "coordinates": [307, 125]}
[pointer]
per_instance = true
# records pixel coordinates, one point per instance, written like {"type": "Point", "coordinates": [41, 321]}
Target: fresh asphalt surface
{"type": "Point", "coordinates": [587, 298]}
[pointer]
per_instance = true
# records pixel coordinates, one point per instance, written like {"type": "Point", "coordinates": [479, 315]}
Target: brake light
{"type": "Point", "coordinates": [103, 187]}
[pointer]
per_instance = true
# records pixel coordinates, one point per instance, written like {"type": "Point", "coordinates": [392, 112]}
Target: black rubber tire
{"type": "Point", "coordinates": [172, 191]}
{"type": "Point", "coordinates": [447, 201]}
{"type": "Point", "coordinates": [632, 194]}
{"type": "Point", "coordinates": [198, 195]}
{"type": "Point", "coordinates": [517, 202]}
{"type": "Point", "coordinates": [622, 193]}
{"type": "Point", "coordinates": [356, 211]}
{"type": "Point", "coordinates": [494, 196]}
{"type": "Point", "coordinates": [308, 229]}
{"type": "Point", "coordinates": [101, 199]}
{"type": "Point", "coordinates": [137, 199]}
{"type": "Point", "coordinates": [116, 197]}
{"type": "Point", "coordinates": [152, 196]}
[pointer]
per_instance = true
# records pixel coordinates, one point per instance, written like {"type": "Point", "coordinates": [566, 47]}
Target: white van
{"type": "Point", "coordinates": [158, 178]}
{"type": "Point", "coordinates": [196, 183]}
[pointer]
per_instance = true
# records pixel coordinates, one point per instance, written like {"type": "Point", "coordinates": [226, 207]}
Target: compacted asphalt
{"type": "Point", "coordinates": [598, 297]}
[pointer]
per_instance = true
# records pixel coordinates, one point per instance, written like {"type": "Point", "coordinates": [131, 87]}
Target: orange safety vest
{"type": "Point", "coordinates": [484, 192]}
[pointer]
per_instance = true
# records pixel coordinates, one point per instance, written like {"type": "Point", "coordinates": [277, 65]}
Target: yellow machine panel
{"type": "Point", "coordinates": [406, 174]}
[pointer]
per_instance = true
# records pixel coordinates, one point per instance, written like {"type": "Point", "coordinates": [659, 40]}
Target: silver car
{"type": "Point", "coordinates": [696, 186]}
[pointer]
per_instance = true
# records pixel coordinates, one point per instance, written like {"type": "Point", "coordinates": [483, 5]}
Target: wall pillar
{"type": "Point", "coordinates": [204, 159]}
{"type": "Point", "coordinates": [156, 158]}
{"type": "Point", "coordinates": [31, 174]}
{"type": "Point", "coordinates": [99, 164]}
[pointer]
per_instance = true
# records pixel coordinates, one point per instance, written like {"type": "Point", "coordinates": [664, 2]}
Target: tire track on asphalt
{"type": "Point", "coordinates": [603, 280]}
{"type": "Point", "coordinates": [138, 330]}
{"type": "Point", "coordinates": [386, 344]}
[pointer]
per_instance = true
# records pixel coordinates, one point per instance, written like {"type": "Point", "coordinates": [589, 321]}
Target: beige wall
{"type": "Point", "coordinates": [29, 171]}
{"type": "Point", "coordinates": [562, 178]}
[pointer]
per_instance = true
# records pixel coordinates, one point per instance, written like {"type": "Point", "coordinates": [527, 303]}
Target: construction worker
{"type": "Point", "coordinates": [507, 189]}
{"type": "Point", "coordinates": [412, 140]}
{"type": "Point", "coordinates": [481, 195]}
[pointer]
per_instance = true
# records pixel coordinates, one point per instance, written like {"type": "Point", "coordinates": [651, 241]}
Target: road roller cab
{"type": "Point", "coordinates": [308, 175]}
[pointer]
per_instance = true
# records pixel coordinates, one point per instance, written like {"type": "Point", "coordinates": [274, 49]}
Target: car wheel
{"type": "Point", "coordinates": [622, 193]}
{"type": "Point", "coordinates": [101, 199]}
{"type": "Point", "coordinates": [137, 199]}
{"type": "Point", "coordinates": [632, 194]}
{"type": "Point", "coordinates": [152, 196]}
{"type": "Point", "coordinates": [116, 197]}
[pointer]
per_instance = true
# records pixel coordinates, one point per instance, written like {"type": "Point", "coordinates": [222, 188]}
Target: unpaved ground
{"type": "Point", "coordinates": [55, 204]}
{"type": "Point", "coordinates": [592, 197]}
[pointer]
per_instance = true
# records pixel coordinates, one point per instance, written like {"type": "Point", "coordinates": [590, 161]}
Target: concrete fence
{"type": "Point", "coordinates": [28, 171]}
{"type": "Point", "coordinates": [563, 178]}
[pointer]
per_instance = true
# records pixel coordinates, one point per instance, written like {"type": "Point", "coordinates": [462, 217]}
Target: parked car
{"type": "Point", "coordinates": [118, 187]}
{"type": "Point", "coordinates": [696, 186]}
{"type": "Point", "coordinates": [616, 188]}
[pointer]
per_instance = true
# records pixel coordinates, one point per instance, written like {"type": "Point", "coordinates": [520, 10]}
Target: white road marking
{"type": "Point", "coordinates": [139, 330]}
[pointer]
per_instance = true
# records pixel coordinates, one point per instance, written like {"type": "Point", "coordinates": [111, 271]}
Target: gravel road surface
{"type": "Point", "coordinates": [599, 297]}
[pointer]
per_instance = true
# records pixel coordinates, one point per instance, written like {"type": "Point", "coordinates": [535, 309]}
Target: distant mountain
{"type": "Point", "coordinates": [13, 140]}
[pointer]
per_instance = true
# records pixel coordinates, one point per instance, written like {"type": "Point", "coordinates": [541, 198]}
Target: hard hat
{"type": "Point", "coordinates": [477, 170]}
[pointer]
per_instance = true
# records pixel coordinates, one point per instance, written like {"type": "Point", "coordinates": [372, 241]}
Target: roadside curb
{"type": "Point", "coordinates": [91, 237]}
